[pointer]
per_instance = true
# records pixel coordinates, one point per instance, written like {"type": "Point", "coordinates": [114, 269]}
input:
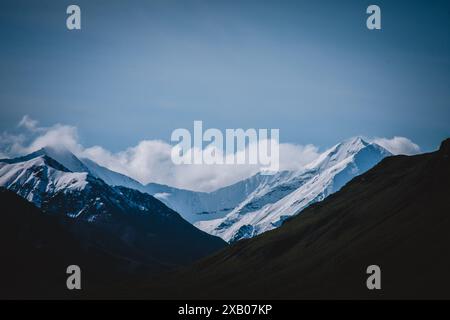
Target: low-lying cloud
{"type": "Point", "coordinates": [150, 160]}
{"type": "Point", "coordinates": [398, 145]}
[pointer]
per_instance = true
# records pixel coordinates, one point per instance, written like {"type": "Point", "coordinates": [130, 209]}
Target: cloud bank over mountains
{"type": "Point", "coordinates": [398, 145]}
{"type": "Point", "coordinates": [150, 160]}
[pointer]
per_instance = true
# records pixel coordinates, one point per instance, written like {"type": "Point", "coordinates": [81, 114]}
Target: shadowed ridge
{"type": "Point", "coordinates": [445, 147]}
{"type": "Point", "coordinates": [394, 216]}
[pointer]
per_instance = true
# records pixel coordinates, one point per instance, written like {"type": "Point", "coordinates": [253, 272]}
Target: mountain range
{"type": "Point", "coordinates": [270, 200]}
{"type": "Point", "coordinates": [394, 216]}
{"type": "Point", "coordinates": [313, 231]}
{"type": "Point", "coordinates": [125, 222]}
{"type": "Point", "coordinates": [241, 210]}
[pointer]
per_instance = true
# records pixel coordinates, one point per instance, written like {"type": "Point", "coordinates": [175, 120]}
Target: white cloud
{"type": "Point", "coordinates": [28, 123]}
{"type": "Point", "coordinates": [56, 136]}
{"type": "Point", "coordinates": [150, 160]}
{"type": "Point", "coordinates": [35, 137]}
{"type": "Point", "coordinates": [295, 157]}
{"type": "Point", "coordinates": [11, 144]}
{"type": "Point", "coordinates": [398, 145]}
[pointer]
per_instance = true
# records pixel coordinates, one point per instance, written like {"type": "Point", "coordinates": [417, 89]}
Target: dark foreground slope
{"type": "Point", "coordinates": [36, 247]}
{"type": "Point", "coordinates": [123, 221]}
{"type": "Point", "coordinates": [397, 216]}
{"type": "Point", "coordinates": [114, 234]}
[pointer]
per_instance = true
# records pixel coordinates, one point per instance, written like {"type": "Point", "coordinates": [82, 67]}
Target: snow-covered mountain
{"type": "Point", "coordinates": [287, 193]}
{"type": "Point", "coordinates": [202, 206]}
{"type": "Point", "coordinates": [121, 221]}
{"type": "Point", "coordinates": [110, 177]}
{"type": "Point", "coordinates": [35, 177]}
{"type": "Point", "coordinates": [242, 210]}
{"type": "Point", "coordinates": [193, 206]}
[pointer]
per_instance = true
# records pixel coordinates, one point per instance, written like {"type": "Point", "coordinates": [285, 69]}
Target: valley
{"type": "Point", "coordinates": [391, 212]}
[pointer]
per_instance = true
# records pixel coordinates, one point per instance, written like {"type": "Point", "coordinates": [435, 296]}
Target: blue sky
{"type": "Point", "coordinates": [140, 69]}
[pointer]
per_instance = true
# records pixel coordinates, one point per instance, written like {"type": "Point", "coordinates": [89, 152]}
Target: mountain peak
{"type": "Point", "coordinates": [445, 146]}
{"type": "Point", "coordinates": [341, 151]}
{"type": "Point", "coordinates": [353, 144]}
{"type": "Point", "coordinates": [59, 154]}
{"type": "Point", "coordinates": [64, 156]}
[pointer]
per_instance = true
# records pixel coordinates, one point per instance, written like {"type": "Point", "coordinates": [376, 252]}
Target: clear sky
{"type": "Point", "coordinates": [140, 69]}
